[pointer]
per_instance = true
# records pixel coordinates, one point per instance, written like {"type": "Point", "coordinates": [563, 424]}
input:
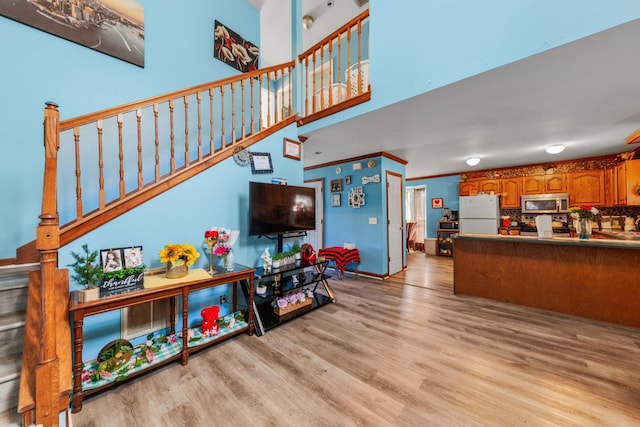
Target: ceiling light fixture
{"type": "Point", "coordinates": [307, 22]}
{"type": "Point", "coordinates": [472, 161]}
{"type": "Point", "coordinates": [555, 149]}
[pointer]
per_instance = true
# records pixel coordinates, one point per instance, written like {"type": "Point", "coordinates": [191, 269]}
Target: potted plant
{"type": "Point", "coordinates": [87, 272]}
{"type": "Point", "coordinates": [278, 259]}
{"type": "Point", "coordinates": [295, 249]}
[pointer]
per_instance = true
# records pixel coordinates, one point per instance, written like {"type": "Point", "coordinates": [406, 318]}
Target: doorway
{"type": "Point", "coordinates": [395, 235]}
{"type": "Point", "coordinates": [316, 237]}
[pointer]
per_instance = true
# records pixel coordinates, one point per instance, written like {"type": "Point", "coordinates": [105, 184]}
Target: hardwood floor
{"type": "Point", "coordinates": [399, 352]}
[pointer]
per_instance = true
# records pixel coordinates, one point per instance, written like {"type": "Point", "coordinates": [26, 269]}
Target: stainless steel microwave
{"type": "Point", "coordinates": [545, 203]}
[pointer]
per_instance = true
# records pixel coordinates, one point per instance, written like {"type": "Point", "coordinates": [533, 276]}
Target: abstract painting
{"type": "Point", "coordinates": [234, 50]}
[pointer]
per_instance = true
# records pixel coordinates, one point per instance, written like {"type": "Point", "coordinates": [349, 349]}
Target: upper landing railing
{"type": "Point", "coordinates": [335, 71]}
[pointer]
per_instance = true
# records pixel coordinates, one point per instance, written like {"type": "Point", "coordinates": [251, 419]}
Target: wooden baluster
{"type": "Point", "coordinates": [253, 123]}
{"type": "Point", "coordinates": [244, 127]}
{"type": "Point", "coordinates": [223, 142]}
{"type": "Point", "coordinates": [211, 140]}
{"type": "Point", "coordinates": [172, 137]}
{"type": "Point", "coordinates": [233, 113]}
{"type": "Point", "coordinates": [186, 130]}
{"type": "Point", "coordinates": [76, 138]}
{"type": "Point", "coordinates": [261, 124]}
{"type": "Point", "coordinates": [339, 41]}
{"type": "Point", "coordinates": [306, 86]}
{"type": "Point", "coordinates": [121, 156]}
{"type": "Point", "coordinates": [313, 89]}
{"type": "Point", "coordinates": [140, 175]}
{"type": "Point", "coordinates": [282, 96]}
{"type": "Point", "coordinates": [100, 166]}
{"type": "Point", "coordinates": [156, 141]}
{"type": "Point", "coordinates": [349, 62]}
{"type": "Point", "coordinates": [199, 99]}
{"type": "Point", "coordinates": [360, 89]}
{"type": "Point", "coordinates": [290, 90]}
{"type": "Point", "coordinates": [331, 100]}
{"type": "Point", "coordinates": [269, 99]}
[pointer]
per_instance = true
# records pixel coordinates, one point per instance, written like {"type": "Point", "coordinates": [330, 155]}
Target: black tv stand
{"type": "Point", "coordinates": [286, 279]}
{"type": "Point", "coordinates": [280, 239]}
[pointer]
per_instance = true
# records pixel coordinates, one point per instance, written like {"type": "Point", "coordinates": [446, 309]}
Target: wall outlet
{"type": "Point", "coordinates": [223, 299]}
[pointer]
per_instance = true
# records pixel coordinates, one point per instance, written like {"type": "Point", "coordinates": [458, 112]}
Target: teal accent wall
{"type": "Point", "coordinates": [445, 187]}
{"type": "Point", "coordinates": [345, 224]}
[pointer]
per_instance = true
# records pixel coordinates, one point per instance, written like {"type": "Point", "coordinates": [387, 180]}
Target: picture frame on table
{"type": "Point", "coordinates": [437, 203]}
{"type": "Point", "coordinates": [336, 185]}
{"type": "Point", "coordinates": [261, 163]}
{"type": "Point", "coordinates": [292, 149]}
{"type": "Point", "coordinates": [335, 200]}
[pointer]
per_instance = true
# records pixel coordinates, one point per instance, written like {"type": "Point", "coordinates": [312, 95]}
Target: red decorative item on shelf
{"type": "Point", "coordinates": [210, 320]}
{"type": "Point", "coordinates": [307, 254]}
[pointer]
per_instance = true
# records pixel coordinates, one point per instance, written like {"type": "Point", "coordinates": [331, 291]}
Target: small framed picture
{"type": "Point", "coordinates": [336, 185]}
{"type": "Point", "coordinates": [133, 257]}
{"type": "Point", "coordinates": [437, 203]}
{"type": "Point", "coordinates": [347, 180]}
{"type": "Point", "coordinates": [261, 163]}
{"type": "Point", "coordinates": [292, 149]}
{"type": "Point", "coordinates": [111, 260]}
{"type": "Point", "coordinates": [335, 199]}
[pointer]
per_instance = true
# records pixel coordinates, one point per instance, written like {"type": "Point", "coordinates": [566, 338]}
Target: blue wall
{"type": "Point", "coordinates": [40, 67]}
{"type": "Point", "coordinates": [345, 224]}
{"type": "Point", "coordinates": [443, 187]}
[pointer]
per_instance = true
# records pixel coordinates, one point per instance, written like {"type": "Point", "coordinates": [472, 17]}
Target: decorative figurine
{"type": "Point", "coordinates": [266, 260]}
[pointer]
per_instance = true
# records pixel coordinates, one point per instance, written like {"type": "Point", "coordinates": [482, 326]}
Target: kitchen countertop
{"type": "Point", "coordinates": [619, 234]}
{"type": "Point", "coordinates": [615, 242]}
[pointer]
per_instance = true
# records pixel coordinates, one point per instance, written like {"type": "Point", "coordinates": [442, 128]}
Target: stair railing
{"type": "Point", "coordinates": [336, 70]}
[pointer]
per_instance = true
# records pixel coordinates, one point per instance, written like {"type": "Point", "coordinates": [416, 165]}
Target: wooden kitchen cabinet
{"type": "Point", "coordinates": [628, 180]}
{"type": "Point", "coordinates": [541, 184]}
{"type": "Point", "coordinates": [471, 188]}
{"type": "Point", "coordinates": [510, 193]}
{"type": "Point", "coordinates": [586, 188]}
{"type": "Point", "coordinates": [611, 186]}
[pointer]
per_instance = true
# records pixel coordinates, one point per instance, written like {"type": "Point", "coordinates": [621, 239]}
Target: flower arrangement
{"type": "Point", "coordinates": [292, 298]}
{"type": "Point", "coordinates": [223, 240]}
{"type": "Point", "coordinates": [178, 254]}
{"type": "Point", "coordinates": [584, 212]}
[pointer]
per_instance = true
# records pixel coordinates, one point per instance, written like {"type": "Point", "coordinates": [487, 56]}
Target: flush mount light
{"type": "Point", "coordinates": [307, 22]}
{"type": "Point", "coordinates": [555, 149]}
{"type": "Point", "coordinates": [472, 161]}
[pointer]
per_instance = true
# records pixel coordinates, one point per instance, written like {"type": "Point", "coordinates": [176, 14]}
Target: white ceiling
{"type": "Point", "coordinates": [585, 94]}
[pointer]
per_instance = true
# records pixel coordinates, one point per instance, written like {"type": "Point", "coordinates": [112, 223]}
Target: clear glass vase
{"type": "Point", "coordinates": [230, 262]}
{"type": "Point", "coordinates": [583, 228]}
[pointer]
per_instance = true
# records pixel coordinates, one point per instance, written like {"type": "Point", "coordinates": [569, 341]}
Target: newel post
{"type": "Point", "coordinates": [47, 243]}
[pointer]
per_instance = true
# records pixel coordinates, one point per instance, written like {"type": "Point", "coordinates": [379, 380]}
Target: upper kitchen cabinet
{"type": "Point", "coordinates": [510, 193]}
{"type": "Point", "coordinates": [471, 188]}
{"type": "Point", "coordinates": [610, 187]}
{"type": "Point", "coordinates": [629, 183]}
{"type": "Point", "coordinates": [586, 188]}
{"type": "Point", "coordinates": [541, 184]}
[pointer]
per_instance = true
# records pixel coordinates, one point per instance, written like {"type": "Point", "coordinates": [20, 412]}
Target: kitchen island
{"type": "Point", "coordinates": [595, 278]}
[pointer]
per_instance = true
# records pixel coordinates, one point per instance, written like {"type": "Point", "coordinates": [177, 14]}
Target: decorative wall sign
{"type": "Point", "coordinates": [114, 27]}
{"type": "Point", "coordinates": [234, 50]}
{"type": "Point", "coordinates": [367, 179]}
{"type": "Point", "coordinates": [292, 149]}
{"type": "Point", "coordinates": [335, 199]}
{"type": "Point", "coordinates": [437, 203]}
{"type": "Point", "coordinates": [123, 271]}
{"type": "Point", "coordinates": [336, 185]}
{"type": "Point", "coordinates": [356, 197]}
{"type": "Point", "coordinates": [261, 163]}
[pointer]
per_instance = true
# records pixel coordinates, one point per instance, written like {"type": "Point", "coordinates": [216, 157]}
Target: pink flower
{"type": "Point", "coordinates": [86, 375]}
{"type": "Point", "coordinates": [172, 338]}
{"type": "Point", "coordinates": [105, 374]}
{"type": "Point", "coordinates": [282, 302]}
{"type": "Point", "coordinates": [149, 354]}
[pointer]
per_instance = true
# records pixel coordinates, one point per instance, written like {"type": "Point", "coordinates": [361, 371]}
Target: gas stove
{"type": "Point", "coordinates": [528, 227]}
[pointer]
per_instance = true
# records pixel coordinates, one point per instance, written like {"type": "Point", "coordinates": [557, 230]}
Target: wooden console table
{"type": "Point", "coordinates": [158, 288]}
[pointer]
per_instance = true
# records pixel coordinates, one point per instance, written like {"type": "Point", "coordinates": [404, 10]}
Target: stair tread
{"type": "Point", "coordinates": [10, 366]}
{"type": "Point", "coordinates": [12, 320]}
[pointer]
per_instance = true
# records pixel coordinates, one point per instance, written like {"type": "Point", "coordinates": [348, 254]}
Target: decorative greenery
{"type": "Point", "coordinates": [178, 254]}
{"type": "Point", "coordinates": [295, 247]}
{"type": "Point", "coordinates": [124, 272]}
{"type": "Point", "coordinates": [87, 268]}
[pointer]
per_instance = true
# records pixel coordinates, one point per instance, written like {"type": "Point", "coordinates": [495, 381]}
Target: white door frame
{"type": "Point", "coordinates": [316, 238]}
{"type": "Point", "coordinates": [395, 220]}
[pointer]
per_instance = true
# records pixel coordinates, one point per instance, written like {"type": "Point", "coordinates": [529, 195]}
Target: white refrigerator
{"type": "Point", "coordinates": [479, 214]}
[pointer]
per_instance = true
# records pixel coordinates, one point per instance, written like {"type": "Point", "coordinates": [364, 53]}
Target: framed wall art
{"type": "Point", "coordinates": [292, 149]}
{"type": "Point", "coordinates": [261, 163]}
{"type": "Point", "coordinates": [336, 185]}
{"type": "Point", "coordinates": [234, 50]}
{"type": "Point", "coordinates": [335, 200]}
{"type": "Point", "coordinates": [437, 203]}
{"type": "Point", "coordinates": [347, 180]}
{"type": "Point", "coordinates": [113, 27]}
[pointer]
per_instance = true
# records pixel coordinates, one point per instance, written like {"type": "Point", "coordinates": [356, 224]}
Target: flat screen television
{"type": "Point", "coordinates": [280, 209]}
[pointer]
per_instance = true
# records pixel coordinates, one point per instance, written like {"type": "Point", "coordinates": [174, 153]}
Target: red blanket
{"type": "Point", "coordinates": [342, 257]}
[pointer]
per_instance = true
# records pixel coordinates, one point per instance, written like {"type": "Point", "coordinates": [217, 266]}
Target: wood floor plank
{"type": "Point", "coordinates": [398, 352]}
